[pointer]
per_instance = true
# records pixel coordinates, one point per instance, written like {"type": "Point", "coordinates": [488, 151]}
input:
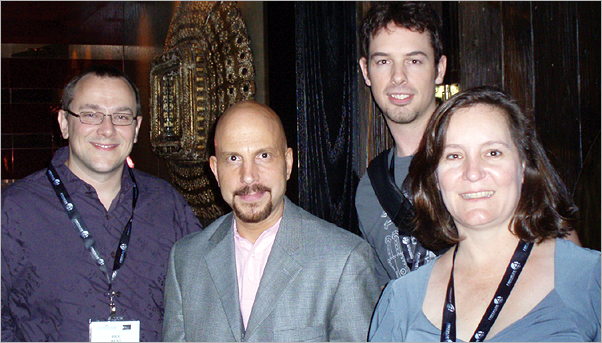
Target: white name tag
{"type": "Point", "coordinates": [115, 331]}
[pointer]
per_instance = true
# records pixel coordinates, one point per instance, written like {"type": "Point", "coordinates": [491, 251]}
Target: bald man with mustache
{"type": "Point", "coordinates": [267, 271]}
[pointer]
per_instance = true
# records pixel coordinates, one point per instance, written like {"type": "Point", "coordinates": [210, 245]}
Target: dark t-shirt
{"type": "Point", "coordinates": [51, 286]}
{"type": "Point", "coordinates": [378, 229]}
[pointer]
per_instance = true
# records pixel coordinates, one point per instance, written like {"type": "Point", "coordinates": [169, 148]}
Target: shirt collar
{"type": "Point", "coordinates": [75, 183]}
{"type": "Point", "coordinates": [271, 231]}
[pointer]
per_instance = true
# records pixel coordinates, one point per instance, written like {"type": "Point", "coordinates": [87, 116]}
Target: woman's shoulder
{"type": "Point", "coordinates": [569, 255]}
{"type": "Point", "coordinates": [576, 268]}
{"type": "Point", "coordinates": [577, 282]}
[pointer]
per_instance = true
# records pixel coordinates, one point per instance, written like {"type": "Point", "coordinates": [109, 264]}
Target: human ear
{"type": "Point", "coordinates": [288, 156]}
{"type": "Point", "coordinates": [138, 122]}
{"type": "Point", "coordinates": [522, 172]}
{"type": "Point", "coordinates": [63, 124]}
{"type": "Point", "coordinates": [363, 62]}
{"type": "Point", "coordinates": [213, 166]}
{"type": "Point", "coordinates": [441, 68]}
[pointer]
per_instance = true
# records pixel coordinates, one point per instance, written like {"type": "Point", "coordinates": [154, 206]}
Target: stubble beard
{"type": "Point", "coordinates": [401, 116]}
{"type": "Point", "coordinates": [252, 213]}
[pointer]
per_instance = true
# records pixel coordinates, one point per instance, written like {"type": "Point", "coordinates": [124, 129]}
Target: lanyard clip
{"type": "Point", "coordinates": [112, 306]}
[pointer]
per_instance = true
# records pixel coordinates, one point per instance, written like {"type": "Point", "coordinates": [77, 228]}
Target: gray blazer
{"type": "Point", "coordinates": [318, 285]}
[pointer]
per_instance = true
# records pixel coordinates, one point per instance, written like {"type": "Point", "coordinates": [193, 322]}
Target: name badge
{"type": "Point", "coordinates": [115, 331]}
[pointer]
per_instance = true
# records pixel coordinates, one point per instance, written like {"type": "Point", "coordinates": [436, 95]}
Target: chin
{"type": "Point", "coordinates": [107, 169]}
{"type": "Point", "coordinates": [254, 216]}
{"type": "Point", "coordinates": [477, 220]}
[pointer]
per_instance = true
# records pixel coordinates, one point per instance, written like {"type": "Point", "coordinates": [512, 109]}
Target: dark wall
{"type": "Point", "coordinates": [32, 78]}
{"type": "Point", "coordinates": [547, 55]}
{"type": "Point", "coordinates": [281, 85]}
{"type": "Point", "coordinates": [326, 78]}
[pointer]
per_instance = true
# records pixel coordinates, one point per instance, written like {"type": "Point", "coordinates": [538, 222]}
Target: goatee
{"type": "Point", "coordinates": [251, 213]}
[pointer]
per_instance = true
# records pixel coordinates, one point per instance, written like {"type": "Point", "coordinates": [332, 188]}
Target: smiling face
{"type": "Point", "coordinates": [98, 151]}
{"type": "Point", "coordinates": [480, 172]}
{"type": "Point", "coordinates": [252, 163]}
{"type": "Point", "coordinates": [402, 74]}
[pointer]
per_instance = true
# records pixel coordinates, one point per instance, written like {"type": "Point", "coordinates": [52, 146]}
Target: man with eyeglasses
{"type": "Point", "coordinates": [85, 242]}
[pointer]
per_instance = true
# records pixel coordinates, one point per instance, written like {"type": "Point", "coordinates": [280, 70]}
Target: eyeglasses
{"type": "Point", "coordinates": [96, 118]}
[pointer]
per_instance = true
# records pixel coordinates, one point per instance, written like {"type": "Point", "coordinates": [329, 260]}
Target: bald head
{"type": "Point", "coordinates": [251, 165]}
{"type": "Point", "coordinates": [249, 113]}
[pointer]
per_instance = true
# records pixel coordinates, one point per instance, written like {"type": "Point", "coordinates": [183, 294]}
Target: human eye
{"type": "Point", "coordinates": [89, 115]}
{"type": "Point", "coordinates": [264, 155]}
{"type": "Point", "coordinates": [381, 61]}
{"type": "Point", "coordinates": [494, 153]}
{"type": "Point", "coordinates": [414, 61]}
{"type": "Point", "coordinates": [452, 156]}
{"type": "Point", "coordinates": [232, 158]}
{"type": "Point", "coordinates": [122, 116]}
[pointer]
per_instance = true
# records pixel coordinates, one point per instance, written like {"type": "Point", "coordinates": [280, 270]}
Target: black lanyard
{"type": "Point", "coordinates": [515, 266]}
{"type": "Point", "coordinates": [414, 254]}
{"type": "Point", "coordinates": [82, 229]}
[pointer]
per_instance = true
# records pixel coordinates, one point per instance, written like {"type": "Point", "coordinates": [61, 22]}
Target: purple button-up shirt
{"type": "Point", "coordinates": [51, 286]}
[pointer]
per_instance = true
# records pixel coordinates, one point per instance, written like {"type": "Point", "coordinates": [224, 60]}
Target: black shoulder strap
{"type": "Point", "coordinates": [389, 195]}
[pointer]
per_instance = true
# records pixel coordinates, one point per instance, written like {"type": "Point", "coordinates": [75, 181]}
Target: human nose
{"type": "Point", "coordinates": [473, 169]}
{"type": "Point", "coordinates": [248, 173]}
{"type": "Point", "coordinates": [398, 74]}
{"type": "Point", "coordinates": [106, 127]}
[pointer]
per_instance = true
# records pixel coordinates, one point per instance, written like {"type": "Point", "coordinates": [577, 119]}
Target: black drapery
{"type": "Point", "coordinates": [327, 119]}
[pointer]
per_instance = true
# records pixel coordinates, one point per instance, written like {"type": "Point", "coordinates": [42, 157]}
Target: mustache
{"type": "Point", "coordinates": [252, 189]}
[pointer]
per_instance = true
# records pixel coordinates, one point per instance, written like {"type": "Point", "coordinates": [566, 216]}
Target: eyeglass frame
{"type": "Point", "coordinates": [135, 117]}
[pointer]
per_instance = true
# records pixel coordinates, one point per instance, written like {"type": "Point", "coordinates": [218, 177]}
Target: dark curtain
{"type": "Point", "coordinates": [327, 119]}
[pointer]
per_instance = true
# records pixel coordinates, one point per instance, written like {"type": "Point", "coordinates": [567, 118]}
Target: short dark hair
{"type": "Point", "coordinates": [415, 16]}
{"type": "Point", "coordinates": [545, 209]}
{"type": "Point", "coordinates": [100, 70]}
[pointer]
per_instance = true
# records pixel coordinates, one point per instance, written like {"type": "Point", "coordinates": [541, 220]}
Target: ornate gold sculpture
{"type": "Point", "coordinates": [206, 66]}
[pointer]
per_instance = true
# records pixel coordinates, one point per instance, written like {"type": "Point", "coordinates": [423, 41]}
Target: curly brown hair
{"type": "Point", "coordinates": [545, 209]}
{"type": "Point", "coordinates": [415, 16]}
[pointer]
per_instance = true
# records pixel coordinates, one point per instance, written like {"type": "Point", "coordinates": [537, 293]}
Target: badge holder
{"type": "Point", "coordinates": [115, 328]}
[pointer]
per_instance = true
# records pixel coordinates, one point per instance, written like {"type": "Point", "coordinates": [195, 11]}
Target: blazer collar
{"type": "Point", "coordinates": [283, 266]}
{"type": "Point", "coordinates": [221, 263]}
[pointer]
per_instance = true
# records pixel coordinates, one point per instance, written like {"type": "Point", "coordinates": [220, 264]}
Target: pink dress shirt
{"type": "Point", "coordinates": [250, 263]}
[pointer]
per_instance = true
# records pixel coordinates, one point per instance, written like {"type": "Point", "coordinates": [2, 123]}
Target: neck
{"type": "Point", "coordinates": [252, 231]}
{"type": "Point", "coordinates": [106, 185]}
{"type": "Point", "coordinates": [483, 248]}
{"type": "Point", "coordinates": [407, 137]}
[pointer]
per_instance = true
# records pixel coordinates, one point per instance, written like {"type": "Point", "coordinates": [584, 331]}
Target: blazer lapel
{"type": "Point", "coordinates": [280, 270]}
{"type": "Point", "coordinates": [222, 267]}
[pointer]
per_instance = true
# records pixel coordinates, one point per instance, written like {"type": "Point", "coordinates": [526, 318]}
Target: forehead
{"type": "Point", "coordinates": [480, 122]}
{"type": "Point", "coordinates": [393, 37]}
{"type": "Point", "coordinates": [248, 130]}
{"type": "Point", "coordinates": [94, 88]}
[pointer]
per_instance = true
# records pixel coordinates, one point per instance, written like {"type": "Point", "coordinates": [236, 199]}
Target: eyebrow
{"type": "Point", "coordinates": [97, 108]}
{"type": "Point", "coordinates": [409, 54]}
{"type": "Point", "coordinates": [257, 151]}
{"type": "Point", "coordinates": [484, 144]}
